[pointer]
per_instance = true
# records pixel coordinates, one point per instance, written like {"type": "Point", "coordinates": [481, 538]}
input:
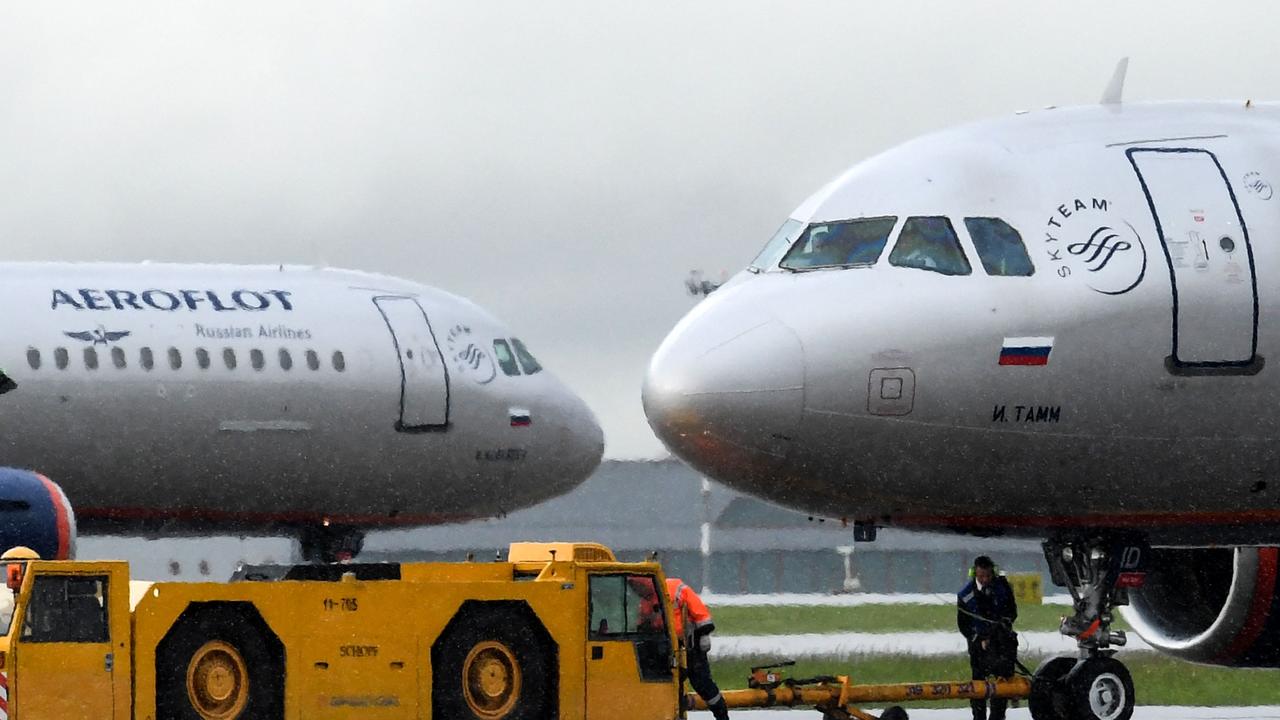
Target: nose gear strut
{"type": "Point", "coordinates": [1098, 571]}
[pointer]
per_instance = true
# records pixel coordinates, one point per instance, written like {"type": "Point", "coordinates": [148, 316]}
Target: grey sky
{"type": "Point", "coordinates": [562, 163]}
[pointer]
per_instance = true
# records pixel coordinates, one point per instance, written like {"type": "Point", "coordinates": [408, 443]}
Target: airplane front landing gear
{"type": "Point", "coordinates": [329, 543]}
{"type": "Point", "coordinates": [1098, 571]}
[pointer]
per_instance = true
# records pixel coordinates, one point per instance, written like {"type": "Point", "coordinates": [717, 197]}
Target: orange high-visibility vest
{"type": "Point", "coordinates": [685, 604]}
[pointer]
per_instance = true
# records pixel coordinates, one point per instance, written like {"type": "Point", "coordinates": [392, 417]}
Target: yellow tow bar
{"type": "Point", "coordinates": [839, 700]}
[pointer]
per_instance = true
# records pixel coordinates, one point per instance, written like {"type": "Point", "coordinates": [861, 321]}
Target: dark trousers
{"type": "Point", "coordinates": [699, 676]}
{"type": "Point", "coordinates": [995, 661]}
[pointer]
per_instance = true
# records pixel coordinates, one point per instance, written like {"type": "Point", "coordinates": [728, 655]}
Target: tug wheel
{"type": "Point", "coordinates": [217, 681]}
{"type": "Point", "coordinates": [491, 680]}
{"type": "Point", "coordinates": [220, 661]}
{"type": "Point", "coordinates": [494, 661]}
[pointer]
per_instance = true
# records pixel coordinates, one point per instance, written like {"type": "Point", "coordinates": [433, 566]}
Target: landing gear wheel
{"type": "Point", "coordinates": [1100, 688]}
{"type": "Point", "coordinates": [218, 664]}
{"type": "Point", "coordinates": [1048, 700]}
{"type": "Point", "coordinates": [894, 712]}
{"type": "Point", "coordinates": [494, 662]}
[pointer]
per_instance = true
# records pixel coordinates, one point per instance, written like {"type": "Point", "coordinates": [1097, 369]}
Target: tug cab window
{"type": "Point", "coordinates": [67, 609]}
{"type": "Point", "coordinates": [777, 245]}
{"type": "Point", "coordinates": [527, 361]}
{"type": "Point", "coordinates": [999, 246]}
{"type": "Point", "coordinates": [847, 243]}
{"type": "Point", "coordinates": [930, 243]}
{"type": "Point", "coordinates": [506, 360]}
{"type": "Point", "coordinates": [629, 608]}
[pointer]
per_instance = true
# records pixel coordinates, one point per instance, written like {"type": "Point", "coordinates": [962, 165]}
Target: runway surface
{"type": "Point", "coordinates": [1267, 712]}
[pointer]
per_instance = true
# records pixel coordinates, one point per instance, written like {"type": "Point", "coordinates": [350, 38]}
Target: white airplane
{"type": "Point", "coordinates": [1057, 324]}
{"type": "Point", "coordinates": [222, 398]}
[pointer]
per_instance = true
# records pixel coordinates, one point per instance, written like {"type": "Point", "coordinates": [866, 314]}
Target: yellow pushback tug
{"type": "Point", "coordinates": [558, 630]}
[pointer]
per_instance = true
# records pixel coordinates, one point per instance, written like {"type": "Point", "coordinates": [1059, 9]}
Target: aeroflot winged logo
{"type": "Point", "coordinates": [101, 336]}
{"type": "Point", "coordinates": [172, 300]}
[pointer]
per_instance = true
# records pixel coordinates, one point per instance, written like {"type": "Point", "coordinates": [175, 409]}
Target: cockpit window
{"type": "Point", "coordinates": [777, 245]}
{"type": "Point", "coordinates": [930, 243]}
{"type": "Point", "coordinates": [840, 244]}
{"type": "Point", "coordinates": [999, 247]}
{"type": "Point", "coordinates": [527, 361]}
{"type": "Point", "coordinates": [505, 359]}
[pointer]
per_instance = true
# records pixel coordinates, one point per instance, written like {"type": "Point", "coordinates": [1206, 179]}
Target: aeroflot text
{"type": "Point", "coordinates": [169, 301]}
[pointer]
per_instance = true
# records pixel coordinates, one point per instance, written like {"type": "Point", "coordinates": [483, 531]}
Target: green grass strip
{"type": "Point", "coordinates": [1158, 680]}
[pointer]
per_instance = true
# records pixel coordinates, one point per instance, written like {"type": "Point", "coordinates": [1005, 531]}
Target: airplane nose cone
{"type": "Point", "coordinates": [725, 392]}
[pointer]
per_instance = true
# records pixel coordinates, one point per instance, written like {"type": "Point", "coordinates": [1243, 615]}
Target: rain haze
{"type": "Point", "coordinates": [562, 164]}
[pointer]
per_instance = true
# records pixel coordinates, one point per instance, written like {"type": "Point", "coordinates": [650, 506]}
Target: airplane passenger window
{"type": "Point", "coordinates": [999, 246]}
{"type": "Point", "coordinates": [339, 361]}
{"type": "Point", "coordinates": [175, 358]}
{"type": "Point", "coordinates": [527, 361]}
{"type": "Point", "coordinates": [286, 360]}
{"type": "Point", "coordinates": [117, 357]}
{"type": "Point", "coordinates": [61, 358]}
{"type": "Point", "coordinates": [91, 358]}
{"type": "Point", "coordinates": [256, 359]}
{"type": "Point", "coordinates": [229, 358]}
{"type": "Point", "coordinates": [313, 360]}
{"type": "Point", "coordinates": [506, 360]}
{"type": "Point", "coordinates": [930, 243]}
{"type": "Point", "coordinates": [840, 244]}
{"type": "Point", "coordinates": [202, 358]}
{"type": "Point", "coordinates": [33, 358]}
{"type": "Point", "coordinates": [777, 245]}
{"type": "Point", "coordinates": [146, 359]}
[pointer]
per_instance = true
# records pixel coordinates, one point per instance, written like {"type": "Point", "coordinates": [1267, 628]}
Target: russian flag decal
{"type": "Point", "coordinates": [520, 417]}
{"type": "Point", "coordinates": [1026, 351]}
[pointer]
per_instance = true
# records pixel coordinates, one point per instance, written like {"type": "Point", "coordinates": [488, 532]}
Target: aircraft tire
{"type": "Point", "coordinates": [494, 662]}
{"type": "Point", "coordinates": [1100, 688]}
{"type": "Point", "coordinates": [216, 663]}
{"type": "Point", "coordinates": [894, 712]}
{"type": "Point", "coordinates": [1048, 698]}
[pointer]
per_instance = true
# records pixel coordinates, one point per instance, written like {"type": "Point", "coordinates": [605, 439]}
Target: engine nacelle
{"type": "Point", "coordinates": [1219, 606]}
{"type": "Point", "coordinates": [35, 512]}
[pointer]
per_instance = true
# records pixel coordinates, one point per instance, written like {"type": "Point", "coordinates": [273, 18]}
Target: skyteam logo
{"type": "Point", "coordinates": [1087, 240]}
{"type": "Point", "coordinates": [469, 356]}
{"type": "Point", "coordinates": [172, 300]}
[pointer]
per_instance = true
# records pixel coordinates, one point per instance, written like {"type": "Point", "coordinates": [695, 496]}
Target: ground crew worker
{"type": "Point", "coordinates": [985, 611]}
{"type": "Point", "coordinates": [694, 627]}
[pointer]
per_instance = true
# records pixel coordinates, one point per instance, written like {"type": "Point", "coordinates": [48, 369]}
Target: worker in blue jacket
{"type": "Point", "coordinates": [985, 611]}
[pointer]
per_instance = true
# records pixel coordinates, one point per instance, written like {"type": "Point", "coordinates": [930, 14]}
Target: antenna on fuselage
{"type": "Point", "coordinates": [1115, 89]}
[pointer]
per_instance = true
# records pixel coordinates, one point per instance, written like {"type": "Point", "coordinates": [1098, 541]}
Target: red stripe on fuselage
{"type": "Point", "coordinates": [60, 512]}
{"type": "Point", "coordinates": [268, 518]}
{"type": "Point", "coordinates": [1264, 590]}
{"type": "Point", "coordinates": [1125, 520]}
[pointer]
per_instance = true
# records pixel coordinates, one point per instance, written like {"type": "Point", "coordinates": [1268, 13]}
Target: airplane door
{"type": "Point", "coordinates": [424, 379]}
{"type": "Point", "coordinates": [1206, 244]}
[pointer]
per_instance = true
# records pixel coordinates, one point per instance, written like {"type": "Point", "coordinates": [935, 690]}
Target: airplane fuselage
{"type": "Point", "coordinates": [250, 397]}
{"type": "Point", "coordinates": [1128, 381]}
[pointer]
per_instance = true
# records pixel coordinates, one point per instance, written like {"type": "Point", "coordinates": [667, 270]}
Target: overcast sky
{"type": "Point", "coordinates": [564, 164]}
